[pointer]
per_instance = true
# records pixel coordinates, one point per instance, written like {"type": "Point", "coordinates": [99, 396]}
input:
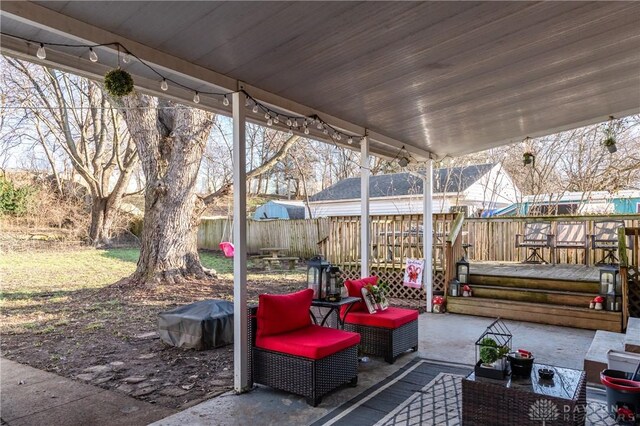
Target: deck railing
{"type": "Point", "coordinates": [394, 238]}
{"type": "Point", "coordinates": [493, 239]}
{"type": "Point", "coordinates": [453, 250]}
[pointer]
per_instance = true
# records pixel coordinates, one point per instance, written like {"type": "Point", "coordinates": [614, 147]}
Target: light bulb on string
{"type": "Point", "coordinates": [295, 124]}
{"type": "Point", "coordinates": [126, 58]}
{"type": "Point", "coordinates": [41, 53]}
{"type": "Point", "coordinates": [93, 56]}
{"type": "Point", "coordinates": [247, 102]}
{"type": "Point", "coordinates": [267, 115]}
{"type": "Point", "coordinates": [164, 86]}
{"type": "Point", "coordinates": [269, 122]}
{"type": "Point", "coordinates": [319, 126]}
{"type": "Point", "coordinates": [276, 120]}
{"type": "Point", "coordinates": [196, 98]}
{"type": "Point", "coordinates": [306, 130]}
{"type": "Point", "coordinates": [289, 122]}
{"type": "Point", "coordinates": [339, 137]}
{"type": "Point", "coordinates": [225, 101]}
{"type": "Point", "coordinates": [255, 108]}
{"type": "Point", "coordinates": [350, 141]}
{"type": "Point", "coordinates": [325, 131]}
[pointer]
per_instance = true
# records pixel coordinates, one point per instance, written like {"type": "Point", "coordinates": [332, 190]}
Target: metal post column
{"type": "Point", "coordinates": [427, 227]}
{"type": "Point", "coordinates": [240, 313]}
{"type": "Point", "coordinates": [365, 236]}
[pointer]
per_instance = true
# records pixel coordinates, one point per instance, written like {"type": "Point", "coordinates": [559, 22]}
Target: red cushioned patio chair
{"type": "Point", "coordinates": [290, 353]}
{"type": "Point", "coordinates": [386, 333]}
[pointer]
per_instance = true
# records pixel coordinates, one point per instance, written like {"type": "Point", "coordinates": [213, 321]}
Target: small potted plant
{"type": "Point", "coordinates": [528, 158]}
{"type": "Point", "coordinates": [492, 349]}
{"type": "Point", "coordinates": [375, 298]}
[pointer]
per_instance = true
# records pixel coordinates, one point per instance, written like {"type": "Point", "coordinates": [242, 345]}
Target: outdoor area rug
{"type": "Point", "coordinates": [423, 393]}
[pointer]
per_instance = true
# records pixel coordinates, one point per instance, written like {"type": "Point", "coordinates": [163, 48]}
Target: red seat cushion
{"type": "Point", "coordinates": [313, 342]}
{"type": "Point", "coordinates": [280, 313]}
{"type": "Point", "coordinates": [354, 287]}
{"type": "Point", "coordinates": [389, 318]}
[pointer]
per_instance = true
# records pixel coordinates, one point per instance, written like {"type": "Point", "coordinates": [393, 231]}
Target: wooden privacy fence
{"type": "Point", "coordinates": [394, 238]}
{"type": "Point", "coordinates": [299, 237]}
{"type": "Point", "coordinates": [493, 239]}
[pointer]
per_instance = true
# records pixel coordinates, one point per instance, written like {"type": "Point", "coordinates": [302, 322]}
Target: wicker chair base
{"type": "Point", "coordinates": [303, 376]}
{"type": "Point", "coordinates": [386, 342]}
{"type": "Point", "coordinates": [311, 378]}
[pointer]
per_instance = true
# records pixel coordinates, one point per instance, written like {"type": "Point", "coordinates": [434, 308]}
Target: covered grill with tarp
{"type": "Point", "coordinates": [202, 325]}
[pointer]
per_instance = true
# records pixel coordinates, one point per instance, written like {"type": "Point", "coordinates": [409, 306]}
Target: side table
{"type": "Point", "coordinates": [334, 307]}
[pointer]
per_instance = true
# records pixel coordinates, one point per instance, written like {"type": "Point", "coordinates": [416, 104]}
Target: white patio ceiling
{"type": "Point", "coordinates": [441, 77]}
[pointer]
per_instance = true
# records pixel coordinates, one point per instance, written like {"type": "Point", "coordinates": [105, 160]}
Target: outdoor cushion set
{"type": "Point", "coordinates": [290, 353]}
{"type": "Point", "coordinates": [386, 333]}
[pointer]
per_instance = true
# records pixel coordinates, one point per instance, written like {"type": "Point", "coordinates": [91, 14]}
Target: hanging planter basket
{"type": "Point", "coordinates": [527, 158]}
{"type": "Point", "coordinates": [610, 143]}
{"type": "Point", "coordinates": [118, 83]}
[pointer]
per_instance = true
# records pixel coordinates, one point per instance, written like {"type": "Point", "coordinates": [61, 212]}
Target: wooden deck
{"type": "Point", "coordinates": [547, 294]}
{"type": "Point", "coordinates": [523, 270]}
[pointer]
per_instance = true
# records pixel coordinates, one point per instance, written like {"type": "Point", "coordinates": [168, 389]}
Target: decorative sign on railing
{"type": "Point", "coordinates": [413, 273]}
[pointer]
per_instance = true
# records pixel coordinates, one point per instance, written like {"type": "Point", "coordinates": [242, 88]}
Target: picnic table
{"type": "Point", "coordinates": [275, 255]}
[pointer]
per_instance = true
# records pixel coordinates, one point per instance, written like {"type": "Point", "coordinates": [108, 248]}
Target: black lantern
{"type": "Point", "coordinates": [454, 288]}
{"type": "Point", "coordinates": [611, 288]}
{"type": "Point", "coordinates": [334, 284]}
{"type": "Point", "coordinates": [317, 276]}
{"type": "Point", "coordinates": [462, 271]}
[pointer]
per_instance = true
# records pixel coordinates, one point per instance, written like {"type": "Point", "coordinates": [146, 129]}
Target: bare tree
{"type": "Point", "coordinates": [72, 122]}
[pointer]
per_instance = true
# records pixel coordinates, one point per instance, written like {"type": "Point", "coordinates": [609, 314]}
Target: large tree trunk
{"type": "Point", "coordinates": [170, 144]}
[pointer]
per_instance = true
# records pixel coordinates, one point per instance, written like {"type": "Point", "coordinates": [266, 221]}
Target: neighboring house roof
{"type": "Point", "coordinates": [455, 179]}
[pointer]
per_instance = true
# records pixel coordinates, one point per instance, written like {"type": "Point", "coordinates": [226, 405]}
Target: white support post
{"type": "Point", "coordinates": [427, 228]}
{"type": "Point", "coordinates": [365, 230]}
{"type": "Point", "coordinates": [240, 313]}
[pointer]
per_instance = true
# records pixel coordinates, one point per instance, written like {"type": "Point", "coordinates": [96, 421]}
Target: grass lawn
{"type": "Point", "coordinates": [60, 311]}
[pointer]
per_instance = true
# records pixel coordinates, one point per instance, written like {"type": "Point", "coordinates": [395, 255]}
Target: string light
{"type": "Point", "coordinates": [41, 53]}
{"type": "Point", "coordinates": [272, 116]}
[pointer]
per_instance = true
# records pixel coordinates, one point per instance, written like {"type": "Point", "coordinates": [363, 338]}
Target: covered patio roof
{"type": "Point", "coordinates": [442, 78]}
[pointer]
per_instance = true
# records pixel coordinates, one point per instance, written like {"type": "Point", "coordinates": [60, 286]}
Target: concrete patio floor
{"type": "Point", "coordinates": [448, 338]}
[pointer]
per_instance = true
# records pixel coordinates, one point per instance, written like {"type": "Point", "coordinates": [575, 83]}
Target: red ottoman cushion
{"type": "Point", "coordinates": [354, 287]}
{"type": "Point", "coordinates": [313, 342]}
{"type": "Point", "coordinates": [390, 318]}
{"type": "Point", "coordinates": [283, 312]}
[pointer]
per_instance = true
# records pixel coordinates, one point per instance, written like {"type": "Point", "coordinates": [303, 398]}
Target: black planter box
{"type": "Point", "coordinates": [490, 373]}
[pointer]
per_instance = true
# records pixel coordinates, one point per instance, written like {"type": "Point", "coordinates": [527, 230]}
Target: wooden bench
{"type": "Point", "coordinates": [267, 261]}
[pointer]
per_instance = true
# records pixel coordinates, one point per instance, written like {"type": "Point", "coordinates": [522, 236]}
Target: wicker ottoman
{"type": "Point", "coordinates": [388, 333]}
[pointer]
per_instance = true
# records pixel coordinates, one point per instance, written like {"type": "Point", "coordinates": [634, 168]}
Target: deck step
{"type": "Point", "coordinates": [569, 316]}
{"type": "Point", "coordinates": [534, 283]}
{"type": "Point", "coordinates": [553, 297]}
{"type": "Point", "coordinates": [632, 338]}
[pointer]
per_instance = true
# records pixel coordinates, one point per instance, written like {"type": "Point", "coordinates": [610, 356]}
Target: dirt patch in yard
{"type": "Point", "coordinates": [106, 335]}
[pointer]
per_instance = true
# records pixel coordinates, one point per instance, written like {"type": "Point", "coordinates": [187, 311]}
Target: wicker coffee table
{"type": "Point", "coordinates": [534, 401]}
